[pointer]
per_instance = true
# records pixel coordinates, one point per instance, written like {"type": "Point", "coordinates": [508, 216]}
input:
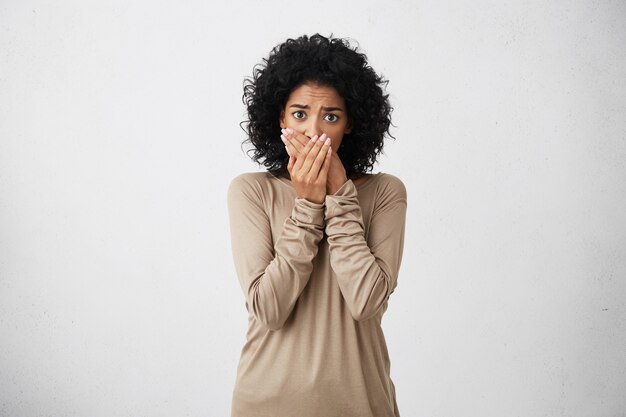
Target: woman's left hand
{"type": "Point", "coordinates": [295, 142]}
{"type": "Point", "coordinates": [336, 175]}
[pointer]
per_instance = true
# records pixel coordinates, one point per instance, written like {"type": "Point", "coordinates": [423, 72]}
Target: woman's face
{"type": "Point", "coordinates": [313, 109]}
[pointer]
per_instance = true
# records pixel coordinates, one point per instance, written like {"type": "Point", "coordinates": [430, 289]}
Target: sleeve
{"type": "Point", "coordinates": [272, 276]}
{"type": "Point", "coordinates": [366, 271]}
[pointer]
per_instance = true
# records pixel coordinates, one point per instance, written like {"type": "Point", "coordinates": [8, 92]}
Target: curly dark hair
{"type": "Point", "coordinates": [325, 61]}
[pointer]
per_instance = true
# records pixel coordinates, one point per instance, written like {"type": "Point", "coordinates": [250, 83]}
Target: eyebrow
{"type": "Point", "coordinates": [302, 106]}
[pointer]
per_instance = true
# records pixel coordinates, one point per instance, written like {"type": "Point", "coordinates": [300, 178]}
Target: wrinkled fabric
{"type": "Point", "coordinates": [316, 279]}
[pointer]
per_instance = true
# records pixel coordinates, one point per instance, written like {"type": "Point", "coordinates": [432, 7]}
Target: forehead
{"type": "Point", "coordinates": [313, 92]}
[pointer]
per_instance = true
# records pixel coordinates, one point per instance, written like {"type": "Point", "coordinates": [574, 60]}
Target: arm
{"type": "Point", "coordinates": [272, 276]}
{"type": "Point", "coordinates": [366, 271]}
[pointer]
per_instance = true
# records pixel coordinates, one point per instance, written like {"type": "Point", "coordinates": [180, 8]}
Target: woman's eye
{"type": "Point", "coordinates": [332, 117]}
{"type": "Point", "coordinates": [298, 114]}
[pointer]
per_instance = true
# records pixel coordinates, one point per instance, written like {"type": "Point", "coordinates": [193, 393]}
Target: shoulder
{"type": "Point", "coordinates": [249, 180]}
{"type": "Point", "coordinates": [390, 187]}
{"type": "Point", "coordinates": [249, 185]}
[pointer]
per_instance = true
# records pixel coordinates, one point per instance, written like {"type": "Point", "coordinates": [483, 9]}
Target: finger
{"type": "Point", "coordinates": [323, 175]}
{"type": "Point", "coordinates": [298, 137]}
{"type": "Point", "coordinates": [290, 149]}
{"type": "Point", "coordinates": [320, 158]}
{"type": "Point", "coordinates": [297, 140]}
{"type": "Point", "coordinates": [295, 144]}
{"type": "Point", "coordinates": [294, 134]}
{"type": "Point", "coordinates": [289, 146]}
{"type": "Point", "coordinates": [302, 155]}
{"type": "Point", "coordinates": [310, 158]}
{"type": "Point", "coordinates": [290, 164]}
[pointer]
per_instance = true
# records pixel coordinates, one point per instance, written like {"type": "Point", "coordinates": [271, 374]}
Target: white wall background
{"type": "Point", "coordinates": [118, 138]}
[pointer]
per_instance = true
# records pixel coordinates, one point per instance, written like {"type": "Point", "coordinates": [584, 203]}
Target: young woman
{"type": "Point", "coordinates": [317, 241]}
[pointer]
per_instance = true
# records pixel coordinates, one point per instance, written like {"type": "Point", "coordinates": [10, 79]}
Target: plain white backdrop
{"type": "Point", "coordinates": [119, 135]}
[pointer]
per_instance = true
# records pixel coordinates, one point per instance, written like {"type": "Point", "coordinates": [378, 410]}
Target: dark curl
{"type": "Point", "coordinates": [326, 61]}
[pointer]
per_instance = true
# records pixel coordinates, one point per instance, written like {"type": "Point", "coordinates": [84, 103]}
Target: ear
{"type": "Point", "coordinates": [348, 127]}
{"type": "Point", "coordinates": [282, 119]}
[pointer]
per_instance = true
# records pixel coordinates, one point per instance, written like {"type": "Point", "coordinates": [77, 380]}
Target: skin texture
{"type": "Point", "coordinates": [314, 111]}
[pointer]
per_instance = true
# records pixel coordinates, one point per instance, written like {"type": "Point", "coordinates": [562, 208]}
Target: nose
{"type": "Point", "coordinates": [313, 128]}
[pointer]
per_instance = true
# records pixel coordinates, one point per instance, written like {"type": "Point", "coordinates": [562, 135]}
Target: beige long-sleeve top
{"type": "Point", "coordinates": [316, 280]}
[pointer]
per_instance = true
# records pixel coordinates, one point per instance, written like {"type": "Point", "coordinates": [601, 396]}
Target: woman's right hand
{"type": "Point", "coordinates": [309, 171]}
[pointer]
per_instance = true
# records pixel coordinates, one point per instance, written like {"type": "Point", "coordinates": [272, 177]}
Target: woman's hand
{"type": "Point", "coordinates": [308, 167]}
{"type": "Point", "coordinates": [336, 175]}
{"type": "Point", "coordinates": [295, 143]}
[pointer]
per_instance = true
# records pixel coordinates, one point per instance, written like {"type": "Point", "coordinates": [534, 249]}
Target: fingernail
{"type": "Point", "coordinates": [289, 130]}
{"type": "Point", "coordinates": [323, 137]}
{"type": "Point", "coordinates": [314, 138]}
{"type": "Point", "coordinates": [283, 139]}
{"type": "Point", "coordinates": [327, 141]}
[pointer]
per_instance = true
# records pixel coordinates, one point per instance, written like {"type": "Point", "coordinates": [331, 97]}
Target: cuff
{"type": "Point", "coordinates": [306, 212]}
{"type": "Point", "coordinates": [347, 189]}
{"type": "Point", "coordinates": [342, 200]}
